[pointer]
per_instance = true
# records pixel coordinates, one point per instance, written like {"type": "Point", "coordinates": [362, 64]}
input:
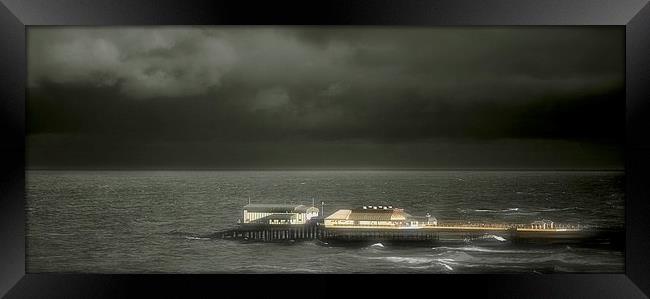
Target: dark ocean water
{"type": "Point", "coordinates": [153, 221]}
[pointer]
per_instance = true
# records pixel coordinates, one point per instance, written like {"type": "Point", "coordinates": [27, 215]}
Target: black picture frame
{"type": "Point", "coordinates": [15, 15]}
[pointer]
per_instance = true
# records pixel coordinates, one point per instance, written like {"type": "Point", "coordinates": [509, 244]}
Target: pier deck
{"type": "Point", "coordinates": [316, 230]}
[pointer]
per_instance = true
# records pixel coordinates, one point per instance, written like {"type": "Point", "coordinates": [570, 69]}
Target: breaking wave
{"type": "Point", "coordinates": [557, 209]}
{"type": "Point", "coordinates": [408, 260]}
{"type": "Point", "coordinates": [488, 210]}
{"type": "Point", "coordinates": [276, 269]}
{"type": "Point", "coordinates": [447, 266]}
{"type": "Point", "coordinates": [482, 249]}
{"type": "Point", "coordinates": [522, 213]}
{"type": "Point", "coordinates": [196, 238]}
{"type": "Point", "coordinates": [495, 237]}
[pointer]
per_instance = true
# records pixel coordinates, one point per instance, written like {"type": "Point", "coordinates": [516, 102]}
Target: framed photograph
{"type": "Point", "coordinates": [374, 146]}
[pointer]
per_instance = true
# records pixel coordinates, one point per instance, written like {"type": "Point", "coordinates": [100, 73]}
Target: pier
{"type": "Point", "coordinates": [316, 230]}
{"type": "Point", "coordinates": [271, 223]}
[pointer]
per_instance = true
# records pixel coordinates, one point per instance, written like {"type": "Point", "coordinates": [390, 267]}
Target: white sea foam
{"type": "Point", "coordinates": [557, 209]}
{"type": "Point", "coordinates": [481, 249]}
{"type": "Point", "coordinates": [447, 266]}
{"type": "Point", "coordinates": [196, 238]}
{"type": "Point", "coordinates": [502, 239]}
{"type": "Point", "coordinates": [448, 261]}
{"type": "Point", "coordinates": [498, 238]}
{"type": "Point", "coordinates": [408, 260]}
{"type": "Point", "coordinates": [522, 213]}
{"type": "Point", "coordinates": [488, 210]}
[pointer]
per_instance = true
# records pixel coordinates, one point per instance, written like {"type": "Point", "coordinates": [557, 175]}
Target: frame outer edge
{"type": "Point", "coordinates": [343, 12]}
{"type": "Point", "coordinates": [637, 87]}
{"type": "Point", "coordinates": [12, 130]}
{"type": "Point", "coordinates": [12, 152]}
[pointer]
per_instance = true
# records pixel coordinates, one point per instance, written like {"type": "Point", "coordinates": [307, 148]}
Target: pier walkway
{"type": "Point", "coordinates": [317, 230]}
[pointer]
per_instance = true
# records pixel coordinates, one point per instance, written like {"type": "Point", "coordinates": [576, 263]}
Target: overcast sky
{"type": "Point", "coordinates": [326, 97]}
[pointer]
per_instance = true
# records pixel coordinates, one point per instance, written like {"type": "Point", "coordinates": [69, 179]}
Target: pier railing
{"type": "Point", "coordinates": [460, 225]}
{"type": "Point", "coordinates": [555, 226]}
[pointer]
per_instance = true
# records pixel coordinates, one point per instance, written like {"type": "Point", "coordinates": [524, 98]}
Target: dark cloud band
{"type": "Point", "coordinates": [318, 85]}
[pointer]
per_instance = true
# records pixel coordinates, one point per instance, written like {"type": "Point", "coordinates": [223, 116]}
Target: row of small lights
{"type": "Point", "coordinates": [377, 207]}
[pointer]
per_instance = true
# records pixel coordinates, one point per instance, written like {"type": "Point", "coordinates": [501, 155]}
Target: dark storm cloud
{"type": "Point", "coordinates": [280, 90]}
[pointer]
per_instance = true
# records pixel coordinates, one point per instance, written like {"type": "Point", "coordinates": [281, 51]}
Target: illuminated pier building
{"type": "Point", "coordinates": [278, 214]}
{"type": "Point", "coordinates": [377, 217]}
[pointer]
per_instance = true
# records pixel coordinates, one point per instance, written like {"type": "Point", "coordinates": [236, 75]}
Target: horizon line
{"type": "Point", "coordinates": [326, 169]}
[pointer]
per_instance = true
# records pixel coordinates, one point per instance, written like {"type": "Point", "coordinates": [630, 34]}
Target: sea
{"type": "Point", "coordinates": [160, 221]}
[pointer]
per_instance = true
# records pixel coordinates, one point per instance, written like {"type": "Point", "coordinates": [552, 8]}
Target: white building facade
{"type": "Point", "coordinates": [278, 214]}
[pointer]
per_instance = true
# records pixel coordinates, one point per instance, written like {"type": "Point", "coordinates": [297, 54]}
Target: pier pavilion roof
{"type": "Point", "coordinates": [339, 215]}
{"type": "Point", "coordinates": [370, 215]}
{"type": "Point", "coordinates": [276, 208]}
